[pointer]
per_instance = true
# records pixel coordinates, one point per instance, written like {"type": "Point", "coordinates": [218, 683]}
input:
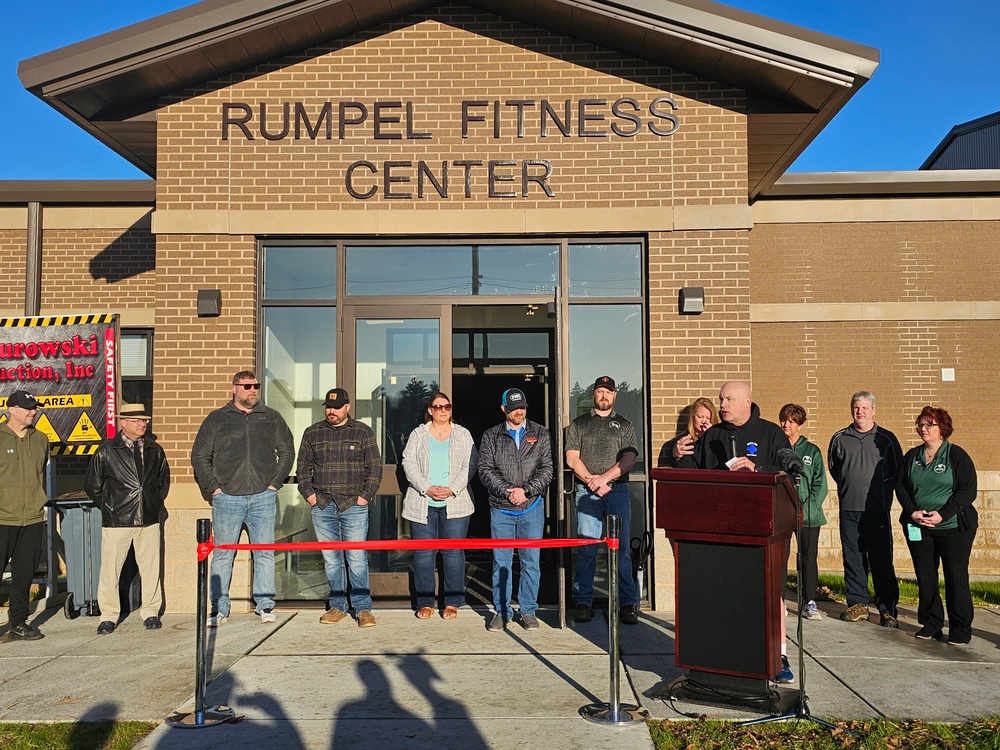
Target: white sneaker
{"type": "Point", "coordinates": [215, 620]}
{"type": "Point", "coordinates": [811, 612]}
{"type": "Point", "coordinates": [268, 616]}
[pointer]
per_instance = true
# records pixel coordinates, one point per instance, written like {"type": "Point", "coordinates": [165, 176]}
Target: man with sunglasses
{"type": "Point", "coordinates": [241, 456]}
{"type": "Point", "coordinates": [24, 451]}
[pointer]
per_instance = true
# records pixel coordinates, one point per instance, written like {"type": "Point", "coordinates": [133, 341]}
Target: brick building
{"type": "Point", "coordinates": [394, 197]}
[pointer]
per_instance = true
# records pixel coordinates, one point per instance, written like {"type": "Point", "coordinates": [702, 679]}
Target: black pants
{"type": "Point", "coordinates": [22, 547]}
{"type": "Point", "coordinates": [871, 532]}
{"type": "Point", "coordinates": [951, 548]}
{"type": "Point", "coordinates": [808, 544]}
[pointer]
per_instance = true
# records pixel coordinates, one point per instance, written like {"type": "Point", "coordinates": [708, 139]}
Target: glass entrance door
{"type": "Point", "coordinates": [397, 355]}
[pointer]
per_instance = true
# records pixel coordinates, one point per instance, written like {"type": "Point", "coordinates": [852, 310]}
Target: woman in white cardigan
{"type": "Point", "coordinates": [439, 461]}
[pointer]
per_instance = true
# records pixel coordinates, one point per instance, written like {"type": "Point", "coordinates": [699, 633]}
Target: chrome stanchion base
{"type": "Point", "coordinates": [209, 718]}
{"type": "Point", "coordinates": [601, 713]}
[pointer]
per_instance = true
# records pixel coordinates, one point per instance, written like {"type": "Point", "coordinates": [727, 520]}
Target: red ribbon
{"type": "Point", "coordinates": [205, 548]}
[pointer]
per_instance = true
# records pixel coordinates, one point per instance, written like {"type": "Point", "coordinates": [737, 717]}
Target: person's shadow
{"type": "Point", "coordinates": [452, 724]}
{"type": "Point", "coordinates": [378, 713]}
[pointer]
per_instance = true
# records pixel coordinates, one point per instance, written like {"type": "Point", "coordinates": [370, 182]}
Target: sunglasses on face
{"type": "Point", "coordinates": [441, 407]}
{"type": "Point", "coordinates": [249, 386]}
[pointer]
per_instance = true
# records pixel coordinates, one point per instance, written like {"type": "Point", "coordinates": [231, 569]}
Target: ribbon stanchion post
{"type": "Point", "coordinates": [202, 717]}
{"type": "Point", "coordinates": [613, 712]}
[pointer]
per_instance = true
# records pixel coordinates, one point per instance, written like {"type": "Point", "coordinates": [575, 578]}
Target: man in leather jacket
{"type": "Point", "coordinates": [127, 479]}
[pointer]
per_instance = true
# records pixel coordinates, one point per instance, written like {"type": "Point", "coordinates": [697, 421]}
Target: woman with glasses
{"type": "Point", "coordinates": [936, 485]}
{"type": "Point", "coordinates": [439, 461]}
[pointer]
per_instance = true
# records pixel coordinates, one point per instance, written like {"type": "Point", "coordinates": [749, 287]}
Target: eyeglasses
{"type": "Point", "coordinates": [441, 407]}
{"type": "Point", "coordinates": [926, 425]}
{"type": "Point", "coordinates": [249, 386]}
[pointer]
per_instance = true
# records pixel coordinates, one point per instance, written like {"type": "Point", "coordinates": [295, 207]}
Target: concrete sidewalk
{"type": "Point", "coordinates": [437, 684]}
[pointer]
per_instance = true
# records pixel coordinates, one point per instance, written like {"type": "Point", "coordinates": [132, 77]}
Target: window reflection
{"type": "Point", "coordinates": [300, 273]}
{"type": "Point", "coordinates": [451, 270]}
{"type": "Point", "coordinates": [607, 340]}
{"type": "Point", "coordinates": [605, 270]}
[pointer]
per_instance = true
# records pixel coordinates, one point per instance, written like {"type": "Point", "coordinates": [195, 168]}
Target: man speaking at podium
{"type": "Point", "coordinates": [743, 441]}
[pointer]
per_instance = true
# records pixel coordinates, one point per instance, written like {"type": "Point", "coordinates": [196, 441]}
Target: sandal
{"type": "Point", "coordinates": [450, 613]}
{"type": "Point", "coordinates": [424, 613]}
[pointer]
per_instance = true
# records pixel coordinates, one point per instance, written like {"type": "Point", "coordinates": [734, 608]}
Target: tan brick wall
{"type": "Point", "coordinates": [436, 63]}
{"type": "Point", "coordinates": [13, 255]}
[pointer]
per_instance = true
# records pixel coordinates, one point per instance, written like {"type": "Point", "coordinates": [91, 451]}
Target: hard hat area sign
{"type": "Point", "coordinates": [69, 364]}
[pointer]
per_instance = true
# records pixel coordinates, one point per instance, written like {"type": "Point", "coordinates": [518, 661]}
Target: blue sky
{"type": "Point", "coordinates": [939, 68]}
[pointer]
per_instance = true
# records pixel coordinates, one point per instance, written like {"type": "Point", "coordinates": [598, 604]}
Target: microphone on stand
{"type": "Point", "coordinates": [790, 462]}
{"type": "Point", "coordinates": [732, 443]}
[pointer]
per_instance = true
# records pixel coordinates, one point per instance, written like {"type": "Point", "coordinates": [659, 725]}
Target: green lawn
{"type": "Point", "coordinates": [98, 735]}
{"type": "Point", "coordinates": [984, 593]}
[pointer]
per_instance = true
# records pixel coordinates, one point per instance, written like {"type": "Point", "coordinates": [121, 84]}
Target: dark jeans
{"type": "Point", "coordinates": [808, 544]}
{"type": "Point", "coordinates": [871, 532]}
{"type": "Point", "coordinates": [951, 548]}
{"type": "Point", "coordinates": [439, 526]}
{"type": "Point", "coordinates": [22, 545]}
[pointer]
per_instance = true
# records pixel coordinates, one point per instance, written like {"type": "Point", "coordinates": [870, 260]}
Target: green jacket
{"type": "Point", "coordinates": [22, 463]}
{"type": "Point", "coordinates": [812, 486]}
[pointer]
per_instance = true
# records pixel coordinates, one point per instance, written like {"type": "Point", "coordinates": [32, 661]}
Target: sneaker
{"type": "Point", "coordinates": [811, 612]}
{"type": "Point", "coordinates": [958, 640]}
{"type": "Point", "coordinates": [927, 632]}
{"type": "Point", "coordinates": [22, 631]}
{"type": "Point", "coordinates": [629, 615]}
{"type": "Point", "coordinates": [887, 621]}
{"type": "Point", "coordinates": [106, 627]}
{"type": "Point", "coordinates": [584, 613]}
{"type": "Point", "coordinates": [785, 676]}
{"type": "Point", "coordinates": [366, 619]}
{"type": "Point", "coordinates": [529, 621]}
{"type": "Point", "coordinates": [855, 613]}
{"type": "Point", "coordinates": [216, 620]}
{"type": "Point", "coordinates": [332, 616]}
{"type": "Point", "coordinates": [267, 616]}
{"type": "Point", "coordinates": [152, 623]}
{"type": "Point", "coordinates": [496, 624]}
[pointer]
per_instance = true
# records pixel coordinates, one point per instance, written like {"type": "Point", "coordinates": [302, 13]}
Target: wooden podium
{"type": "Point", "coordinates": [729, 532]}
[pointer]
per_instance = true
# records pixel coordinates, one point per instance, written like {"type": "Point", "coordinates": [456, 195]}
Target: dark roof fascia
{"type": "Point", "coordinates": [78, 192]}
{"type": "Point", "coordinates": [961, 129]}
{"type": "Point", "coordinates": [944, 182]}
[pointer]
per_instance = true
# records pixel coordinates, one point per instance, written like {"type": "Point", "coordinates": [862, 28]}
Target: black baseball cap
{"type": "Point", "coordinates": [513, 399]}
{"type": "Point", "coordinates": [336, 398]}
{"type": "Point", "coordinates": [605, 381]}
{"type": "Point", "coordinates": [23, 399]}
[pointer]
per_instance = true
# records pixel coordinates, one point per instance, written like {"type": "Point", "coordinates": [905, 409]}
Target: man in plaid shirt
{"type": "Point", "coordinates": [339, 471]}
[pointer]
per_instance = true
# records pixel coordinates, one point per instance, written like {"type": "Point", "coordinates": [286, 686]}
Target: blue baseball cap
{"type": "Point", "coordinates": [513, 399]}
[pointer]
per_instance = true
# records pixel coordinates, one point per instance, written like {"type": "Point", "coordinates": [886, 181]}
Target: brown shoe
{"type": "Point", "coordinates": [331, 616]}
{"type": "Point", "coordinates": [424, 613]}
{"type": "Point", "coordinates": [855, 613]}
{"type": "Point", "coordinates": [366, 619]}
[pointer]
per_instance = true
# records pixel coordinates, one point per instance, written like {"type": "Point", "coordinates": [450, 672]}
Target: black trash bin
{"type": "Point", "coordinates": [80, 527]}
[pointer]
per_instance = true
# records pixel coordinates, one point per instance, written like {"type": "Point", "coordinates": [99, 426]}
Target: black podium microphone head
{"type": "Point", "coordinates": [790, 461]}
{"type": "Point", "coordinates": [732, 443]}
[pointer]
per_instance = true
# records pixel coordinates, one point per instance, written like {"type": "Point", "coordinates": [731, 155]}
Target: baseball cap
{"type": "Point", "coordinates": [23, 399]}
{"type": "Point", "coordinates": [513, 399]}
{"type": "Point", "coordinates": [336, 398]}
{"type": "Point", "coordinates": [605, 381]}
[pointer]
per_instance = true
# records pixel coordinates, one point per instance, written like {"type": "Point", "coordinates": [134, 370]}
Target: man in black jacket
{"type": "Point", "coordinates": [742, 441]}
{"type": "Point", "coordinates": [128, 479]}
{"type": "Point", "coordinates": [242, 454]}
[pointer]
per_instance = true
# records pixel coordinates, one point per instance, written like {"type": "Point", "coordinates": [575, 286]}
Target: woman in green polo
{"type": "Point", "coordinates": [936, 486]}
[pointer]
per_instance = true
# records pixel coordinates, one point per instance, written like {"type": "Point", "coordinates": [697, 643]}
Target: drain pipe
{"type": "Point", "coordinates": [33, 267]}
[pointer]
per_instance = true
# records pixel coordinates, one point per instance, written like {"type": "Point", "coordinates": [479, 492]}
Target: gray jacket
{"type": "Point", "coordinates": [462, 460]}
{"type": "Point", "coordinates": [502, 465]}
{"type": "Point", "coordinates": [864, 465]}
{"type": "Point", "coordinates": [242, 453]}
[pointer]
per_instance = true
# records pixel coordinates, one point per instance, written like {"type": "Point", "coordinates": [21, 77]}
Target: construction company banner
{"type": "Point", "coordinates": [70, 365]}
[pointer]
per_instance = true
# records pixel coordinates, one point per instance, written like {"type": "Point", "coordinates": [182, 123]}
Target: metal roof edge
{"type": "Point", "coordinates": [885, 183]}
{"type": "Point", "coordinates": [78, 192]}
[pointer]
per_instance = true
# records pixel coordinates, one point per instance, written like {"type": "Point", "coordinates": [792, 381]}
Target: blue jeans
{"type": "Point", "coordinates": [351, 525]}
{"type": "Point", "coordinates": [526, 526]}
{"type": "Point", "coordinates": [591, 511]}
{"type": "Point", "coordinates": [439, 526]}
{"type": "Point", "coordinates": [229, 514]}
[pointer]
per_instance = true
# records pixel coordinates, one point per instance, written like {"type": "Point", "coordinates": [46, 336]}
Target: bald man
{"type": "Point", "coordinates": [742, 441]}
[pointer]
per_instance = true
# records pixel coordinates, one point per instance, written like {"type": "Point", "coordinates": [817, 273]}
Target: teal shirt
{"type": "Point", "coordinates": [439, 467]}
{"type": "Point", "coordinates": [933, 483]}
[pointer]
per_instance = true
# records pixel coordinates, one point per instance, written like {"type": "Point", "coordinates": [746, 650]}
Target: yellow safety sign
{"type": "Point", "coordinates": [61, 401]}
{"type": "Point", "coordinates": [42, 424]}
{"type": "Point", "coordinates": [84, 432]}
